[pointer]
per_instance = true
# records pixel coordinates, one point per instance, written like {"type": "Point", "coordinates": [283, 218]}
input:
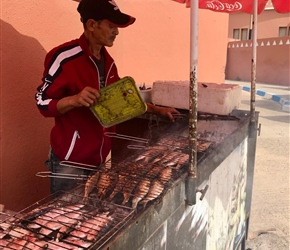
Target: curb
{"type": "Point", "coordinates": [276, 98]}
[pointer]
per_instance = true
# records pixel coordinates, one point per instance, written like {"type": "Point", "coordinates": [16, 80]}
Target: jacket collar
{"type": "Point", "coordinates": [85, 47]}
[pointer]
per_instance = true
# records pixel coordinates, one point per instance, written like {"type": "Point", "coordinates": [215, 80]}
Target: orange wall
{"type": "Point", "coordinates": [156, 47]}
{"type": "Point", "coordinates": [273, 61]}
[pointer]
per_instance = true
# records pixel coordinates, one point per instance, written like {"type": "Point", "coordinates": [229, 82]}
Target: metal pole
{"type": "Point", "coordinates": [192, 171]}
{"type": "Point", "coordinates": [254, 58]}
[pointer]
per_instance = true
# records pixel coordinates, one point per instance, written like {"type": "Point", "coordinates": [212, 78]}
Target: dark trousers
{"type": "Point", "coordinates": [62, 184]}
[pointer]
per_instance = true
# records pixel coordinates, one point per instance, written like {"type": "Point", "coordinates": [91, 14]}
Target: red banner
{"type": "Point", "coordinates": [231, 6]}
{"type": "Point", "coordinates": [281, 6]}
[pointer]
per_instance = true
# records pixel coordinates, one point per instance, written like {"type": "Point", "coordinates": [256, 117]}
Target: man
{"type": "Point", "coordinates": [74, 73]}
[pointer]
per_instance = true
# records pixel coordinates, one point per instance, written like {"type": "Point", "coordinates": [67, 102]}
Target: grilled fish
{"type": "Point", "coordinates": [128, 188]}
{"type": "Point", "coordinates": [172, 158]}
{"type": "Point", "coordinates": [54, 245]}
{"type": "Point", "coordinates": [150, 153]}
{"type": "Point", "coordinates": [72, 208]}
{"type": "Point", "coordinates": [165, 175]}
{"type": "Point", "coordinates": [17, 244]}
{"type": "Point", "coordinates": [95, 225]}
{"type": "Point", "coordinates": [34, 243]}
{"type": "Point", "coordinates": [140, 191]}
{"type": "Point", "coordinates": [69, 218]}
{"type": "Point", "coordinates": [106, 180]}
{"type": "Point", "coordinates": [154, 171]}
{"type": "Point", "coordinates": [182, 160]}
{"type": "Point", "coordinates": [78, 242]}
{"type": "Point", "coordinates": [90, 185]}
{"type": "Point", "coordinates": [4, 242]}
{"type": "Point", "coordinates": [49, 228]}
{"type": "Point", "coordinates": [39, 222]}
{"type": "Point", "coordinates": [155, 190]}
{"type": "Point", "coordinates": [122, 179]}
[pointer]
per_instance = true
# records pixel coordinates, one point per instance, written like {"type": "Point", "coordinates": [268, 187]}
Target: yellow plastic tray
{"type": "Point", "coordinates": [119, 102]}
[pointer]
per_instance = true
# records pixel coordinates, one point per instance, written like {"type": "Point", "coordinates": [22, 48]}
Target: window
{"type": "Point", "coordinates": [282, 31]}
{"type": "Point", "coordinates": [289, 31]}
{"type": "Point", "coordinates": [236, 34]}
{"type": "Point", "coordinates": [244, 34]}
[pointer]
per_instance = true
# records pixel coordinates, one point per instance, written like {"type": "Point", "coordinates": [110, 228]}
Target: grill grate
{"type": "Point", "coordinates": [64, 222]}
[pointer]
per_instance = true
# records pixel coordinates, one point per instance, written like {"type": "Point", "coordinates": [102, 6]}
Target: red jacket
{"type": "Point", "coordinates": [77, 135]}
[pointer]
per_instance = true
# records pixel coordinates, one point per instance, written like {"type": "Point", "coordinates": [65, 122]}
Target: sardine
{"type": "Point", "coordinates": [78, 242]}
{"type": "Point", "coordinates": [4, 243]}
{"type": "Point", "coordinates": [4, 226]}
{"type": "Point", "coordinates": [140, 158]}
{"type": "Point", "coordinates": [155, 190]}
{"type": "Point", "coordinates": [172, 158]}
{"type": "Point", "coordinates": [90, 185]}
{"type": "Point", "coordinates": [72, 208]}
{"type": "Point", "coordinates": [67, 220]}
{"type": "Point", "coordinates": [49, 228]}
{"type": "Point", "coordinates": [78, 233]}
{"type": "Point", "coordinates": [140, 191]}
{"type": "Point", "coordinates": [154, 171]}
{"type": "Point", "coordinates": [36, 244]}
{"type": "Point", "coordinates": [182, 160]}
{"type": "Point", "coordinates": [181, 142]}
{"type": "Point", "coordinates": [2, 234]}
{"type": "Point", "coordinates": [165, 175]}
{"type": "Point", "coordinates": [93, 226]}
{"type": "Point", "coordinates": [54, 245]}
{"type": "Point", "coordinates": [122, 179]}
{"type": "Point", "coordinates": [39, 222]}
{"type": "Point", "coordinates": [19, 232]}
{"type": "Point", "coordinates": [17, 244]}
{"type": "Point", "coordinates": [106, 180]}
{"type": "Point", "coordinates": [128, 188]}
{"type": "Point", "coordinates": [150, 153]}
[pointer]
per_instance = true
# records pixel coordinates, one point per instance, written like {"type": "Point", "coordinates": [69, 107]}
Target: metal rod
{"type": "Point", "coordinates": [254, 58]}
{"type": "Point", "coordinates": [48, 174]}
{"type": "Point", "coordinates": [126, 137]}
{"type": "Point", "coordinates": [192, 171]}
{"type": "Point", "coordinates": [136, 147]}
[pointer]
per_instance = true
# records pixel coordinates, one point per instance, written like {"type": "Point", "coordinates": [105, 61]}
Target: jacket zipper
{"type": "Point", "coordinates": [101, 149]}
{"type": "Point", "coordinates": [72, 144]}
{"type": "Point", "coordinates": [99, 72]}
{"type": "Point", "coordinates": [109, 73]}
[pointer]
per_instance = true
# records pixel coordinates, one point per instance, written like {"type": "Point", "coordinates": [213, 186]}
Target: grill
{"type": "Point", "coordinates": [91, 214]}
{"type": "Point", "coordinates": [146, 175]}
{"type": "Point", "coordinates": [64, 223]}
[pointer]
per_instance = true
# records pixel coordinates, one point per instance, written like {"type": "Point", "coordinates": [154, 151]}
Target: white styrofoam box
{"type": "Point", "coordinates": [212, 97]}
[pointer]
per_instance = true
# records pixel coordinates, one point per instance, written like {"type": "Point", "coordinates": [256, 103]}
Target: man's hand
{"type": "Point", "coordinates": [163, 111]}
{"type": "Point", "coordinates": [86, 98]}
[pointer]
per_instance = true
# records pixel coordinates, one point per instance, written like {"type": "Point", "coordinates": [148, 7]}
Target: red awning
{"type": "Point", "coordinates": [230, 6]}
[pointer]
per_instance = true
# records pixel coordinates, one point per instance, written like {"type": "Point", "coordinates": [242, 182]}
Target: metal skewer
{"type": "Point", "coordinates": [126, 137]}
{"type": "Point", "coordinates": [49, 174]}
{"type": "Point", "coordinates": [79, 165]}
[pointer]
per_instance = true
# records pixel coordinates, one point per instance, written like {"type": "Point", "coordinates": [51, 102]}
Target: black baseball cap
{"type": "Point", "coordinates": [104, 9]}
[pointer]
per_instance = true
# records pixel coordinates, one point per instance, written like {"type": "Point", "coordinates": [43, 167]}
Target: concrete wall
{"type": "Point", "coordinates": [273, 61]}
{"type": "Point", "coordinates": [156, 47]}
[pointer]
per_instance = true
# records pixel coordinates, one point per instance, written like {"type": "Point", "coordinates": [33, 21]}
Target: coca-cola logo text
{"type": "Point", "coordinates": [220, 6]}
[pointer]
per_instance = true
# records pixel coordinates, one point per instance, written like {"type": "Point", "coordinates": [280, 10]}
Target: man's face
{"type": "Point", "coordinates": [105, 33]}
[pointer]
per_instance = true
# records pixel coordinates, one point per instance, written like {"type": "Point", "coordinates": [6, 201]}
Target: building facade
{"type": "Point", "coordinates": [273, 47]}
{"type": "Point", "coordinates": [270, 24]}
